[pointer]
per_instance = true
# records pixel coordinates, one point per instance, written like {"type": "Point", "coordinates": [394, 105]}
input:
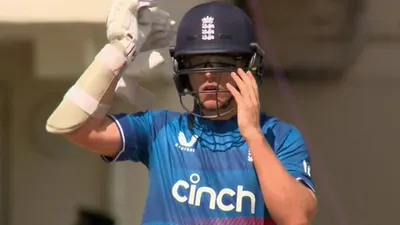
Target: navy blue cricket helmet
{"type": "Point", "coordinates": [214, 28]}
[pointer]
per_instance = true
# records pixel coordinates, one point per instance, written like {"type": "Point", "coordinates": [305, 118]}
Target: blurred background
{"type": "Point", "coordinates": [332, 71]}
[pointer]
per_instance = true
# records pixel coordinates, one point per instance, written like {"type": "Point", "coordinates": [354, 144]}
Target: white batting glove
{"type": "Point", "coordinates": [162, 31]}
{"type": "Point", "coordinates": [134, 26]}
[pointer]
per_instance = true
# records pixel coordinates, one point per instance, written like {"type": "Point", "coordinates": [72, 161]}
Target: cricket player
{"type": "Point", "coordinates": [221, 162]}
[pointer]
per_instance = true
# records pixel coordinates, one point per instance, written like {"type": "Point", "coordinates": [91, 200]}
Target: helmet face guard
{"type": "Point", "coordinates": [216, 63]}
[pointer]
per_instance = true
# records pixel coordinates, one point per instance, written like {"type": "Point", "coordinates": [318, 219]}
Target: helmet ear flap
{"type": "Point", "coordinates": [186, 83]}
{"type": "Point", "coordinates": [181, 81]}
{"type": "Point", "coordinates": [178, 84]}
{"type": "Point", "coordinates": [182, 84]}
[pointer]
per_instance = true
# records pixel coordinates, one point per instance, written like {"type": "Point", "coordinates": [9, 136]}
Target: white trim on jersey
{"type": "Point", "coordinates": [121, 131]}
{"type": "Point", "coordinates": [306, 183]}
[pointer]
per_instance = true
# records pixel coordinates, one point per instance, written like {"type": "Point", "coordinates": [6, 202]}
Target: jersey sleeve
{"type": "Point", "coordinates": [292, 151]}
{"type": "Point", "coordinates": [135, 131]}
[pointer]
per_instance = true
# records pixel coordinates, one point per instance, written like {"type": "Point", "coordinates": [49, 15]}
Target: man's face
{"type": "Point", "coordinates": [213, 93]}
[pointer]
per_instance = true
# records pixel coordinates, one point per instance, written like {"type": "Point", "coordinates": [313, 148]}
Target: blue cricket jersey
{"type": "Point", "coordinates": [201, 171]}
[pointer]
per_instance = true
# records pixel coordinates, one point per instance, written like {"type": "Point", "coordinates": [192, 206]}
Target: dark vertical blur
{"type": "Point", "coordinates": [92, 217]}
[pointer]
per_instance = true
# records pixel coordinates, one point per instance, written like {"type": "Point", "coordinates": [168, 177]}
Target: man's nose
{"type": "Point", "coordinates": [211, 77]}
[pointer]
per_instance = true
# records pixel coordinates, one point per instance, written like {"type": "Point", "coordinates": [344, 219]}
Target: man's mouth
{"type": "Point", "coordinates": [210, 88]}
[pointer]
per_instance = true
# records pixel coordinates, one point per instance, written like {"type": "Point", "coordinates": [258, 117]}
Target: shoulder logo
{"type": "Point", "coordinates": [185, 145]}
{"type": "Point", "coordinates": [207, 28]}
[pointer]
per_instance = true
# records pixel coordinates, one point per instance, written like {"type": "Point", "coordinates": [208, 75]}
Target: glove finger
{"type": "Point", "coordinates": [170, 31]}
{"type": "Point", "coordinates": [165, 27]}
{"type": "Point", "coordinates": [160, 27]}
{"type": "Point", "coordinates": [116, 18]}
{"type": "Point", "coordinates": [161, 17]}
{"type": "Point", "coordinates": [159, 40]}
{"type": "Point", "coordinates": [145, 16]}
{"type": "Point", "coordinates": [155, 43]}
{"type": "Point", "coordinates": [160, 21]}
{"type": "Point", "coordinates": [160, 32]}
{"type": "Point", "coordinates": [157, 35]}
{"type": "Point", "coordinates": [161, 13]}
{"type": "Point", "coordinates": [147, 3]}
{"type": "Point", "coordinates": [136, 5]}
{"type": "Point", "coordinates": [170, 35]}
{"type": "Point", "coordinates": [161, 43]}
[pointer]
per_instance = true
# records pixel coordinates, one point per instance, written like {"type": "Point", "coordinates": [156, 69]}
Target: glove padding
{"type": "Point", "coordinates": [139, 26]}
{"type": "Point", "coordinates": [147, 66]}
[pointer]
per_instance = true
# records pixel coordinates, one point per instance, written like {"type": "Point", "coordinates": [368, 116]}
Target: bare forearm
{"type": "Point", "coordinates": [289, 201]}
